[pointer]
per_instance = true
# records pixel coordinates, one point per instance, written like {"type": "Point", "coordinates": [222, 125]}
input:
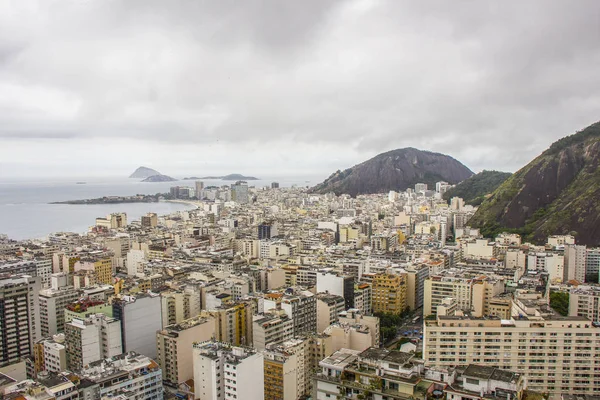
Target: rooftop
{"type": "Point", "coordinates": [340, 359]}
{"type": "Point", "coordinates": [183, 325]}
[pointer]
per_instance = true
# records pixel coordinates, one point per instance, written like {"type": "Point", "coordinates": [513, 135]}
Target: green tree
{"type": "Point", "coordinates": [559, 301]}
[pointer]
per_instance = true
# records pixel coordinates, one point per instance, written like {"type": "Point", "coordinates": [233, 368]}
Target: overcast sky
{"type": "Point", "coordinates": [99, 87]}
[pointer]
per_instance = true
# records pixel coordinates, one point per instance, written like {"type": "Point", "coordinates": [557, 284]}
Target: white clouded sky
{"type": "Point", "coordinates": [287, 87]}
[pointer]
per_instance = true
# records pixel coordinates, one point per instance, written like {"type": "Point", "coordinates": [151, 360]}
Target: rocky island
{"type": "Point", "coordinates": [159, 178]}
{"type": "Point", "coordinates": [144, 172]}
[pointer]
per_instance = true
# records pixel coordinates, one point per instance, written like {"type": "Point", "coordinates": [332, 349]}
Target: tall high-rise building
{"type": "Point", "coordinates": [274, 185]}
{"type": "Point", "coordinates": [44, 270]}
{"type": "Point", "coordinates": [149, 220]}
{"type": "Point", "coordinates": [233, 323]}
{"type": "Point", "coordinates": [199, 189]}
{"type": "Point", "coordinates": [271, 328]}
{"type": "Point", "coordinates": [389, 293]}
{"type": "Point", "coordinates": [20, 317]}
{"type": "Point", "coordinates": [415, 285]}
{"type": "Point", "coordinates": [301, 347]}
{"type": "Point", "coordinates": [239, 192]}
{"type": "Point", "coordinates": [329, 306]}
{"type": "Point", "coordinates": [92, 339]}
{"type": "Point", "coordinates": [281, 375]}
{"type": "Point", "coordinates": [141, 318]}
{"type": "Point", "coordinates": [301, 307]}
{"type": "Point", "coordinates": [175, 307]}
{"type": "Point", "coordinates": [574, 263]}
{"type": "Point", "coordinates": [52, 308]}
{"type": "Point", "coordinates": [228, 373]}
{"type": "Point", "coordinates": [592, 265]}
{"type": "Point", "coordinates": [363, 298]}
{"type": "Point", "coordinates": [267, 230]}
{"type": "Point", "coordinates": [174, 344]}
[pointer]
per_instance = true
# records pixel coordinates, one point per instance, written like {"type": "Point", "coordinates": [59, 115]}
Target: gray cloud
{"type": "Point", "coordinates": [491, 84]}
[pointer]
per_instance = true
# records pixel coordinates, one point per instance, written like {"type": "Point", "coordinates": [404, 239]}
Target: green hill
{"type": "Point", "coordinates": [475, 189]}
{"type": "Point", "coordinates": [556, 193]}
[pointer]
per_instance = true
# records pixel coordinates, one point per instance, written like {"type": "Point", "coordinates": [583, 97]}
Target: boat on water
{"type": "Point", "coordinates": [80, 183]}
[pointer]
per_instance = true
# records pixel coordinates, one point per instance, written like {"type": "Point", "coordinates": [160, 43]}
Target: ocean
{"type": "Point", "coordinates": [25, 212]}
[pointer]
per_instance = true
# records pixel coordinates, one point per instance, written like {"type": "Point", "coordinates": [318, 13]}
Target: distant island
{"type": "Point", "coordinates": [144, 172]}
{"type": "Point", "coordinates": [159, 178]}
{"type": "Point", "coordinates": [139, 198]}
{"type": "Point", "coordinates": [230, 177]}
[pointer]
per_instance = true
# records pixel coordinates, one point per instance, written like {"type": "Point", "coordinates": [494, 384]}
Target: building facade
{"type": "Point", "coordinates": [222, 371]}
{"type": "Point", "coordinates": [20, 321]}
{"type": "Point", "coordinates": [389, 293]}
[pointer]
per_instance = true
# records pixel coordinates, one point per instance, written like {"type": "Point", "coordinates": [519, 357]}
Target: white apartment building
{"type": "Point", "coordinates": [52, 308]}
{"type": "Point", "coordinates": [555, 354]}
{"type": "Point", "coordinates": [229, 373]}
{"type": "Point", "coordinates": [92, 339]}
{"type": "Point", "coordinates": [135, 262]}
{"type": "Point", "coordinates": [55, 354]}
{"type": "Point", "coordinates": [574, 263]}
{"type": "Point", "coordinates": [470, 293]}
{"type": "Point", "coordinates": [585, 302]}
{"type": "Point", "coordinates": [437, 288]}
{"type": "Point", "coordinates": [363, 298]}
{"type": "Point", "coordinates": [553, 263]}
{"type": "Point", "coordinates": [43, 268]}
{"type": "Point", "coordinates": [130, 374]}
{"type": "Point", "coordinates": [271, 329]}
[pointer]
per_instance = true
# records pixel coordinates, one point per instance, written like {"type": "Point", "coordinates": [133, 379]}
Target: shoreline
{"type": "Point", "coordinates": [188, 202]}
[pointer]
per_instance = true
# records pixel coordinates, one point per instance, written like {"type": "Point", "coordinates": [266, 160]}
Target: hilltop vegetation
{"type": "Point", "coordinates": [556, 193]}
{"type": "Point", "coordinates": [475, 189]}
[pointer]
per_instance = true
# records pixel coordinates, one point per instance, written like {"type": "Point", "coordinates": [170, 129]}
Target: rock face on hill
{"type": "Point", "coordinates": [159, 178]}
{"type": "Point", "coordinates": [476, 188]}
{"type": "Point", "coordinates": [556, 193]}
{"type": "Point", "coordinates": [143, 173]}
{"type": "Point", "coordinates": [395, 170]}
